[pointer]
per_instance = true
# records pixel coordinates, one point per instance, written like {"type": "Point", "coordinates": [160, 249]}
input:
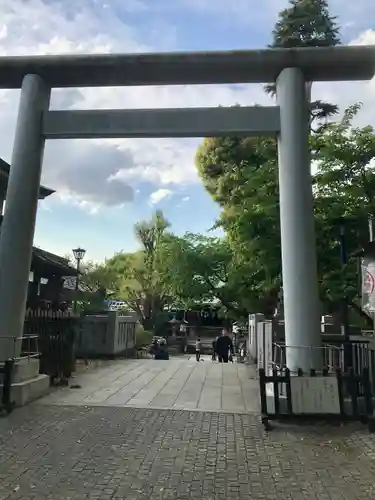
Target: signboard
{"type": "Point", "coordinates": [267, 331]}
{"type": "Point", "coordinates": [368, 285]}
{"type": "Point", "coordinates": [261, 342]}
{"type": "Point", "coordinates": [315, 395]}
{"type": "Point", "coordinates": [264, 334]}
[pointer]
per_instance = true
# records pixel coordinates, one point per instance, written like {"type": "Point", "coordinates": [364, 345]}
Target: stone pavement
{"type": "Point", "coordinates": [103, 453]}
{"type": "Point", "coordinates": [96, 451]}
{"type": "Point", "coordinates": [180, 383]}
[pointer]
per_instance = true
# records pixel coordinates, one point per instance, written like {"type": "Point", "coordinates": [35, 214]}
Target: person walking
{"type": "Point", "coordinates": [224, 346]}
{"type": "Point", "coordinates": [198, 349]}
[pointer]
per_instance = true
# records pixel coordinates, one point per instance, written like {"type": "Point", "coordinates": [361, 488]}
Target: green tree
{"type": "Point", "coordinates": [241, 174]}
{"type": "Point", "coordinates": [99, 282]}
{"type": "Point", "coordinates": [196, 267]}
{"type": "Point", "coordinates": [203, 269]}
{"type": "Point", "coordinates": [99, 276]}
{"type": "Point", "coordinates": [137, 277]}
{"type": "Point", "coordinates": [307, 23]}
{"type": "Point", "coordinates": [344, 188]}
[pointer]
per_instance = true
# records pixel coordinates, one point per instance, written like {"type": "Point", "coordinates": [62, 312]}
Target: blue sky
{"type": "Point", "coordinates": [104, 187]}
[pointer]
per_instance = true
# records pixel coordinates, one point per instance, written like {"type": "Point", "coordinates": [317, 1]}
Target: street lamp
{"type": "Point", "coordinates": [79, 254]}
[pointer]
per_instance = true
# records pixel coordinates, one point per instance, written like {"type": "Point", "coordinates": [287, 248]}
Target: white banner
{"type": "Point", "coordinates": [368, 285]}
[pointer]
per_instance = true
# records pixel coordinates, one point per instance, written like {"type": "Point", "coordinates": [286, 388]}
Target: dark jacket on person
{"type": "Point", "coordinates": [223, 345]}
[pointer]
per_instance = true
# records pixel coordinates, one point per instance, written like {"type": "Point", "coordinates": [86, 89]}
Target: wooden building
{"type": "Point", "coordinates": [47, 278]}
{"type": "Point", "coordinates": [4, 176]}
{"type": "Point", "coordinates": [204, 320]}
{"type": "Point", "coordinates": [47, 269]}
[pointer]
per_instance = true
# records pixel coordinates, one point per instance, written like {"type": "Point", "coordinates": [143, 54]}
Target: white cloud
{"type": "Point", "coordinates": [97, 173]}
{"type": "Point", "coordinates": [100, 173]}
{"type": "Point", "coordinates": [365, 38]}
{"type": "Point", "coordinates": [184, 200]}
{"type": "Point", "coordinates": [159, 195]}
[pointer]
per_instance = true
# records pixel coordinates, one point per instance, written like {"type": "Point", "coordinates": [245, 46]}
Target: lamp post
{"type": "Point", "coordinates": [79, 254]}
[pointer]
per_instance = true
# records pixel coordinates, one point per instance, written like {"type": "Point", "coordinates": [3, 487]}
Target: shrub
{"type": "Point", "coordinates": [142, 336]}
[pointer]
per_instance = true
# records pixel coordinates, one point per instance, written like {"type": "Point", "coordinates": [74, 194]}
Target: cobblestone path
{"type": "Point", "coordinates": [82, 452]}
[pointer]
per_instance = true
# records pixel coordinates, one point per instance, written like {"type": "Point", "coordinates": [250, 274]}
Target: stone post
{"type": "Point", "coordinates": [17, 231]}
{"type": "Point", "coordinates": [300, 279]}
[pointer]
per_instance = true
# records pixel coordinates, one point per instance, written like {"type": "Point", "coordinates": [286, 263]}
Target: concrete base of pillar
{"type": "Point", "coordinates": [25, 369]}
{"type": "Point", "coordinates": [27, 391]}
{"type": "Point", "coordinates": [28, 384]}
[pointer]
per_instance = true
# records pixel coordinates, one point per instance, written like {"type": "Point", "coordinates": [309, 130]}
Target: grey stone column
{"type": "Point", "coordinates": [300, 278]}
{"type": "Point", "coordinates": [17, 231]}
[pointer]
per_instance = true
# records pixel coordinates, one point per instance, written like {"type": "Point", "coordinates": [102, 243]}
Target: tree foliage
{"type": "Point", "coordinates": [344, 189]}
{"type": "Point", "coordinates": [145, 289]}
{"type": "Point", "coordinates": [241, 175]}
{"type": "Point", "coordinates": [137, 278]}
{"type": "Point", "coordinates": [307, 23]}
{"type": "Point", "coordinates": [203, 269]}
{"type": "Point", "coordinates": [179, 271]}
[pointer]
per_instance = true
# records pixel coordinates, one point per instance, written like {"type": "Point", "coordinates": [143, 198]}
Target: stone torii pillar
{"type": "Point", "coordinates": [17, 231]}
{"type": "Point", "coordinates": [298, 245]}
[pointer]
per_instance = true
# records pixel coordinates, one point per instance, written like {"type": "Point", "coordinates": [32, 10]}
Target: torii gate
{"type": "Point", "coordinates": [290, 68]}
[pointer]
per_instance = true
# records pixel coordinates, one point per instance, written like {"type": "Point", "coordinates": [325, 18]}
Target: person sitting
{"type": "Point", "coordinates": [162, 350]}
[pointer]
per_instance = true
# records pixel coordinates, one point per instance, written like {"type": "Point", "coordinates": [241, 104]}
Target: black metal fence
{"type": "Point", "coordinates": [362, 356]}
{"type": "Point", "coordinates": [354, 395]}
{"type": "Point", "coordinates": [55, 332]}
{"type": "Point", "coordinates": [6, 372]}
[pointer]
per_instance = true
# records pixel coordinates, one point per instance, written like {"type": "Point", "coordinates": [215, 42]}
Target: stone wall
{"type": "Point", "coordinates": [108, 334]}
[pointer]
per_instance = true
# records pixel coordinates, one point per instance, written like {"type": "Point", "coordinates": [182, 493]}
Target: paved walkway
{"type": "Point", "coordinates": [91, 444]}
{"type": "Point", "coordinates": [180, 383]}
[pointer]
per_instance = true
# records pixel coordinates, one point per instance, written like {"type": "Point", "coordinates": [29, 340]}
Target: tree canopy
{"type": "Point", "coordinates": [241, 175]}
{"type": "Point", "coordinates": [307, 23]}
{"type": "Point", "coordinates": [137, 278]}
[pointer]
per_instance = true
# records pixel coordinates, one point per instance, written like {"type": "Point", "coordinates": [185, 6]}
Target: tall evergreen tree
{"type": "Point", "coordinates": [307, 23]}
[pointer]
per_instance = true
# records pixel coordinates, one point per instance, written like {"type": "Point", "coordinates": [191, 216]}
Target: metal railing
{"type": "Point", "coordinates": [27, 345]}
{"type": "Point", "coordinates": [332, 357]}
{"type": "Point", "coordinates": [360, 354]}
